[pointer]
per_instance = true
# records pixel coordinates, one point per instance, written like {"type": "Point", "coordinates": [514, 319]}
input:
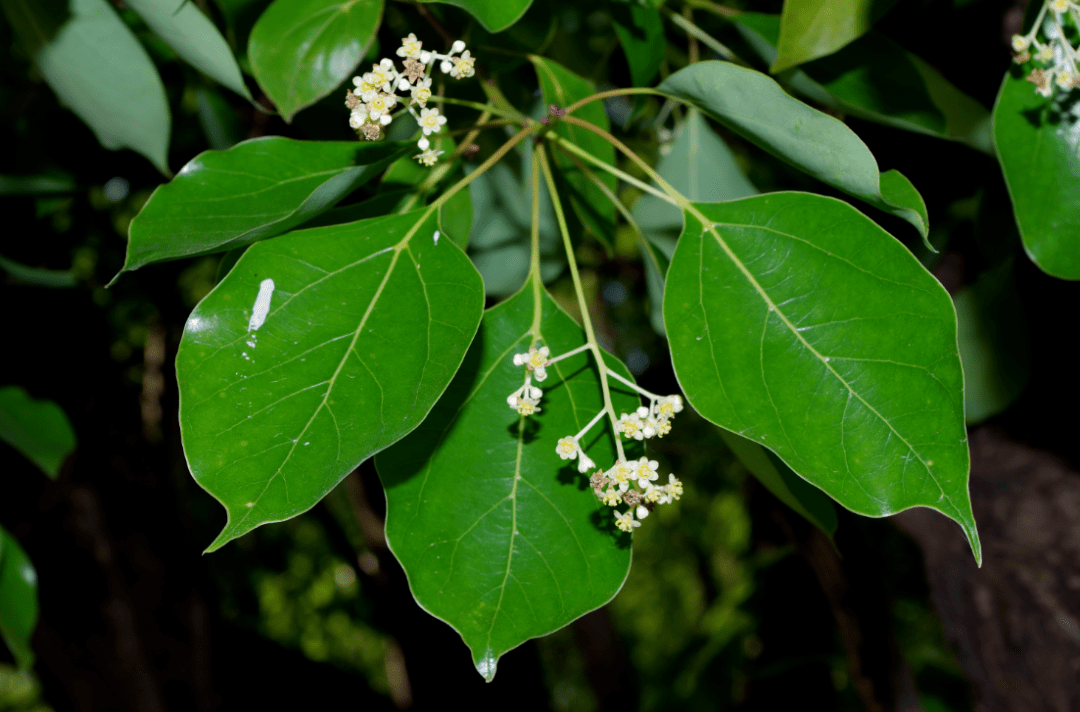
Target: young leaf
{"type": "Point", "coordinates": [98, 69]}
{"type": "Point", "coordinates": [814, 28]}
{"type": "Point", "coordinates": [188, 31]}
{"type": "Point", "coordinates": [875, 79]}
{"type": "Point", "coordinates": [257, 189]}
{"type": "Point", "coordinates": [1037, 143]}
{"type": "Point", "coordinates": [641, 33]}
{"type": "Point", "coordinates": [301, 50]}
{"type": "Point", "coordinates": [755, 107]}
{"type": "Point", "coordinates": [798, 323]}
{"type": "Point", "coordinates": [493, 15]}
{"type": "Point", "coordinates": [498, 536]}
{"type": "Point", "coordinates": [562, 87]}
{"type": "Point", "coordinates": [18, 600]}
{"type": "Point", "coordinates": [319, 349]}
{"type": "Point", "coordinates": [36, 428]}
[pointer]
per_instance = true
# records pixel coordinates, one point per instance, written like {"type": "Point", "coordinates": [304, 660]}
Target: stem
{"type": "Point", "coordinates": [693, 53]}
{"type": "Point", "coordinates": [534, 242]}
{"type": "Point", "coordinates": [610, 93]}
{"type": "Point", "coordinates": [712, 7]}
{"type": "Point", "coordinates": [571, 148]}
{"type": "Point", "coordinates": [705, 38]}
{"type": "Point", "coordinates": [588, 427]}
{"type": "Point", "coordinates": [639, 389]}
{"type": "Point", "coordinates": [515, 117]}
{"type": "Point", "coordinates": [586, 321]}
{"type": "Point", "coordinates": [568, 354]}
{"type": "Point", "coordinates": [527, 130]}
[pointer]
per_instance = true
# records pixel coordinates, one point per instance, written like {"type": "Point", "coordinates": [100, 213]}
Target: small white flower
{"type": "Point", "coordinates": [431, 121]}
{"type": "Point", "coordinates": [383, 75]}
{"type": "Point", "coordinates": [410, 46]}
{"type": "Point", "coordinates": [421, 93]}
{"type": "Point", "coordinates": [612, 498]}
{"type": "Point", "coordinates": [380, 106]}
{"type": "Point", "coordinates": [528, 406]}
{"type": "Point", "coordinates": [1020, 43]}
{"type": "Point", "coordinates": [457, 47]}
{"type": "Point", "coordinates": [357, 118]}
{"type": "Point", "coordinates": [463, 66]}
{"type": "Point", "coordinates": [642, 511]}
{"type": "Point", "coordinates": [668, 406]}
{"type": "Point", "coordinates": [533, 392]}
{"type": "Point", "coordinates": [423, 144]}
{"type": "Point", "coordinates": [652, 493]}
{"type": "Point", "coordinates": [430, 158]}
{"type": "Point", "coordinates": [584, 462]}
{"type": "Point", "coordinates": [622, 474]}
{"type": "Point", "coordinates": [646, 471]}
{"type": "Point", "coordinates": [626, 521]}
{"type": "Point", "coordinates": [673, 490]}
{"type": "Point", "coordinates": [630, 426]}
{"type": "Point", "coordinates": [535, 360]}
{"type": "Point", "coordinates": [568, 448]}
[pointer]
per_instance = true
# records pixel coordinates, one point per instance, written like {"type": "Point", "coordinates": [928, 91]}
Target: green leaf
{"type": "Point", "coordinates": [493, 15]}
{"type": "Point", "coordinates": [187, 30]}
{"type": "Point", "coordinates": [805, 499]}
{"type": "Point", "coordinates": [499, 537]}
{"type": "Point", "coordinates": [1037, 142]}
{"type": "Point", "coordinates": [218, 119]}
{"type": "Point", "coordinates": [875, 79]}
{"type": "Point", "coordinates": [18, 600]}
{"type": "Point", "coordinates": [316, 351]}
{"type": "Point", "coordinates": [260, 188]}
{"type": "Point", "coordinates": [51, 278]}
{"type": "Point", "coordinates": [36, 428]}
{"type": "Point", "coordinates": [755, 107]}
{"type": "Point", "coordinates": [798, 323]}
{"type": "Point", "coordinates": [560, 86]}
{"type": "Point", "coordinates": [98, 69]}
{"type": "Point", "coordinates": [456, 217]}
{"type": "Point", "coordinates": [301, 50]}
{"type": "Point", "coordinates": [814, 28]}
{"type": "Point", "coordinates": [640, 30]}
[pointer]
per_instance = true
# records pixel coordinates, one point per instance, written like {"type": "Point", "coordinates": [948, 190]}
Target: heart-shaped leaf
{"type": "Point", "coordinates": [319, 349]}
{"type": "Point", "coordinates": [36, 428]}
{"type": "Point", "coordinates": [301, 50]}
{"type": "Point", "coordinates": [1037, 142]}
{"type": "Point", "coordinates": [98, 69]}
{"type": "Point", "coordinates": [257, 189]}
{"type": "Point", "coordinates": [798, 323]}
{"type": "Point", "coordinates": [814, 28]}
{"type": "Point", "coordinates": [493, 15]}
{"type": "Point", "coordinates": [187, 30]}
{"type": "Point", "coordinates": [755, 107]}
{"type": "Point", "coordinates": [18, 600]}
{"type": "Point", "coordinates": [498, 536]}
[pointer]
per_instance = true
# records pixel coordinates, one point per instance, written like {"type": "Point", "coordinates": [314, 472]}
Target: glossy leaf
{"type": "Point", "coordinates": [814, 28]}
{"type": "Point", "coordinates": [493, 15]}
{"type": "Point", "coordinates": [36, 428]}
{"type": "Point", "coordinates": [98, 69]}
{"type": "Point", "coordinates": [301, 50]}
{"type": "Point", "coordinates": [640, 30]}
{"type": "Point", "coordinates": [875, 79]}
{"type": "Point", "coordinates": [755, 107]}
{"type": "Point", "coordinates": [560, 86]}
{"type": "Point", "coordinates": [319, 349]}
{"type": "Point", "coordinates": [499, 537]}
{"type": "Point", "coordinates": [18, 600]}
{"type": "Point", "coordinates": [183, 26]}
{"type": "Point", "coordinates": [222, 200]}
{"type": "Point", "coordinates": [798, 323]}
{"type": "Point", "coordinates": [1037, 142]}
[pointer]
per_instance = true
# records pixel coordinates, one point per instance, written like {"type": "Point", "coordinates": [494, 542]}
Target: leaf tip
{"type": "Point", "coordinates": [487, 665]}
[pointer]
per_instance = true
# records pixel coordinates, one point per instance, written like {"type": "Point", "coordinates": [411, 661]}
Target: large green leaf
{"type": "Point", "coordinates": [18, 599]}
{"type": "Point", "coordinates": [493, 15]}
{"type": "Point", "coordinates": [257, 189]}
{"type": "Point", "coordinates": [498, 536]}
{"type": "Point", "coordinates": [36, 428]}
{"type": "Point", "coordinates": [562, 87]}
{"type": "Point", "coordinates": [98, 69]}
{"type": "Point", "coordinates": [798, 323]}
{"type": "Point", "coordinates": [814, 28]}
{"type": "Point", "coordinates": [875, 79]}
{"type": "Point", "coordinates": [755, 107]}
{"type": "Point", "coordinates": [1037, 142]}
{"type": "Point", "coordinates": [641, 33]}
{"type": "Point", "coordinates": [319, 349]}
{"type": "Point", "coordinates": [188, 31]}
{"type": "Point", "coordinates": [301, 50]}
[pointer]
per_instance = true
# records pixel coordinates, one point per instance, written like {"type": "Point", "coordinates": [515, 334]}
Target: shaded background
{"type": "Point", "coordinates": [733, 601]}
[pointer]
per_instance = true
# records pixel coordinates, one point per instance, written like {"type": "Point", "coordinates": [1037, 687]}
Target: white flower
{"type": "Point", "coordinates": [357, 118]}
{"type": "Point", "coordinates": [642, 511]}
{"type": "Point", "coordinates": [673, 490]}
{"type": "Point", "coordinates": [668, 406]}
{"type": "Point", "coordinates": [646, 471]}
{"type": "Point", "coordinates": [535, 360]}
{"type": "Point", "coordinates": [658, 426]}
{"type": "Point", "coordinates": [383, 75]}
{"type": "Point", "coordinates": [584, 462]}
{"type": "Point", "coordinates": [430, 158]}
{"type": "Point", "coordinates": [622, 474]}
{"type": "Point", "coordinates": [410, 47]}
{"type": "Point", "coordinates": [527, 406]}
{"type": "Point", "coordinates": [380, 106]}
{"type": "Point", "coordinates": [366, 89]}
{"type": "Point", "coordinates": [568, 448]}
{"type": "Point", "coordinates": [626, 521]}
{"type": "Point", "coordinates": [431, 121]}
{"type": "Point", "coordinates": [457, 47]}
{"type": "Point", "coordinates": [462, 66]}
{"type": "Point", "coordinates": [652, 493]}
{"type": "Point", "coordinates": [630, 426]}
{"type": "Point", "coordinates": [1019, 43]}
{"type": "Point", "coordinates": [421, 93]}
{"type": "Point", "coordinates": [612, 498]}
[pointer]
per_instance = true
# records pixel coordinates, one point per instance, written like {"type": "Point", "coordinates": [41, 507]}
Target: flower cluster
{"type": "Point", "coordinates": [375, 96]}
{"type": "Point", "coordinates": [1060, 60]}
{"type": "Point", "coordinates": [629, 482]}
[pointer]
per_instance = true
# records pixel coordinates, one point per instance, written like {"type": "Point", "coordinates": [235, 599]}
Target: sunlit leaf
{"type": "Point", "coordinates": [257, 189]}
{"type": "Point", "coordinates": [36, 428]}
{"type": "Point", "coordinates": [493, 15]}
{"type": "Point", "coordinates": [301, 50]}
{"type": "Point", "coordinates": [1037, 142]}
{"type": "Point", "coordinates": [498, 536]}
{"type": "Point", "coordinates": [798, 323]}
{"type": "Point", "coordinates": [814, 28]}
{"type": "Point", "coordinates": [187, 30]}
{"type": "Point", "coordinates": [18, 599]}
{"type": "Point", "coordinates": [98, 69]}
{"type": "Point", "coordinates": [755, 107]}
{"type": "Point", "coordinates": [319, 349]}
